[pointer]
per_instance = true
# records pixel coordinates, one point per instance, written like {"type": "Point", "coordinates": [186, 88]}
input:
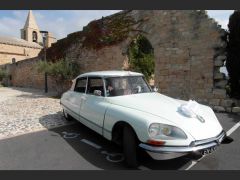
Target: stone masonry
{"type": "Point", "coordinates": [9, 51]}
{"type": "Point", "coordinates": [189, 49]}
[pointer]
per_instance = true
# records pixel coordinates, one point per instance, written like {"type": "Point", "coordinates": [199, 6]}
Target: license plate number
{"type": "Point", "coordinates": [208, 151]}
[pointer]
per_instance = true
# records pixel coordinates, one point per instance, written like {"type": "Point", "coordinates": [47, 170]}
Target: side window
{"type": "Point", "coordinates": [80, 85]}
{"type": "Point", "coordinates": [95, 83]}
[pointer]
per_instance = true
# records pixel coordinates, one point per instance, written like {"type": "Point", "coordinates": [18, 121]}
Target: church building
{"type": "Point", "coordinates": [32, 41]}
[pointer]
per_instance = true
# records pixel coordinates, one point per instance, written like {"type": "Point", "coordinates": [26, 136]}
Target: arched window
{"type": "Point", "coordinates": [13, 60]}
{"type": "Point", "coordinates": [34, 36]}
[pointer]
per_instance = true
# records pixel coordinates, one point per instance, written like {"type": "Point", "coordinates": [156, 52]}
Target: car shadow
{"type": "Point", "coordinates": [234, 117]}
{"type": "Point", "coordinates": [103, 153]}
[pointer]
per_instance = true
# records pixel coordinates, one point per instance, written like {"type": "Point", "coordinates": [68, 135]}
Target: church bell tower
{"type": "Point", "coordinates": [30, 31]}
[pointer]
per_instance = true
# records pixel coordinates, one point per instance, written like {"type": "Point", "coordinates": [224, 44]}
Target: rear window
{"type": "Point", "coordinates": [80, 85]}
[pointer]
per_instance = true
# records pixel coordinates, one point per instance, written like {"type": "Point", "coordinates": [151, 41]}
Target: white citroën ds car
{"type": "Point", "coordinates": [122, 107]}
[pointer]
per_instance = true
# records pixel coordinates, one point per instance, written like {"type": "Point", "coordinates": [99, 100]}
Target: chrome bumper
{"type": "Point", "coordinates": [170, 152]}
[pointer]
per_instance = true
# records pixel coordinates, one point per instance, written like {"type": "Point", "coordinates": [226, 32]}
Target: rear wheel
{"type": "Point", "coordinates": [130, 147]}
{"type": "Point", "coordinates": [66, 116]}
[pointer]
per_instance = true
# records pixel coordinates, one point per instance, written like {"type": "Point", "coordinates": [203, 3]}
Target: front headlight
{"type": "Point", "coordinates": [165, 132]}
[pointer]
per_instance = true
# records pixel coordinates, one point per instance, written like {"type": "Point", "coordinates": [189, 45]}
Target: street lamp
{"type": "Point", "coordinates": [44, 35]}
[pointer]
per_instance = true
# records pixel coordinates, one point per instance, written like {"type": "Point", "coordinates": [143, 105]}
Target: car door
{"type": "Point", "coordinates": [94, 106]}
{"type": "Point", "coordinates": [76, 97]}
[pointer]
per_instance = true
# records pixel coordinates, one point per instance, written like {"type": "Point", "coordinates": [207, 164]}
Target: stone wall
{"type": "Point", "coordinates": [189, 48]}
{"type": "Point", "coordinates": [25, 74]}
{"type": "Point", "coordinates": [8, 52]}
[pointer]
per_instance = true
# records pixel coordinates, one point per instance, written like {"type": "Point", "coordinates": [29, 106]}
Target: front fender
{"type": "Point", "coordinates": [117, 113]}
{"type": "Point", "coordinates": [139, 121]}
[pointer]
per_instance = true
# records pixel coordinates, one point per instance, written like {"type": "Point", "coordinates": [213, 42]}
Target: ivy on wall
{"type": "Point", "coordinates": [96, 35]}
{"type": "Point", "coordinates": [141, 56]}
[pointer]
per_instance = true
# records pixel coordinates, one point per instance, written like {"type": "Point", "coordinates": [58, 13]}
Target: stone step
{"type": "Point", "coordinates": [219, 76]}
{"type": "Point", "coordinates": [219, 109]}
{"type": "Point", "coordinates": [220, 84]}
{"type": "Point", "coordinates": [218, 63]}
{"type": "Point", "coordinates": [219, 93]}
{"type": "Point", "coordinates": [236, 109]}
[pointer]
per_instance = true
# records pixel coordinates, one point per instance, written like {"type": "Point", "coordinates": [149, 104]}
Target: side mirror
{"type": "Point", "coordinates": [97, 92]}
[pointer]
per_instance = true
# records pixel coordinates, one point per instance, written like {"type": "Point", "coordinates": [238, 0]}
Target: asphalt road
{"type": "Point", "coordinates": [75, 147]}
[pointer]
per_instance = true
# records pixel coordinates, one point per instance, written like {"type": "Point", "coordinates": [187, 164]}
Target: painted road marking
{"type": "Point", "coordinates": [67, 135]}
{"type": "Point", "coordinates": [193, 163]}
{"type": "Point", "coordinates": [229, 132]}
{"type": "Point", "coordinates": [91, 143]}
{"type": "Point", "coordinates": [234, 128]}
{"type": "Point", "coordinates": [113, 157]}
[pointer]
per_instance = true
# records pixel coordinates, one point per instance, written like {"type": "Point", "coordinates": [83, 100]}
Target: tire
{"type": "Point", "coordinates": [66, 116]}
{"type": "Point", "coordinates": [130, 147]}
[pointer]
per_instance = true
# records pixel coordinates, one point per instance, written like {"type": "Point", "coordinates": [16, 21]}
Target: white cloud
{"type": "Point", "coordinates": [221, 16]}
{"type": "Point", "coordinates": [10, 26]}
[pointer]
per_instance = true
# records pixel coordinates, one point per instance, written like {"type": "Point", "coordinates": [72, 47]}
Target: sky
{"type": "Point", "coordinates": [63, 22]}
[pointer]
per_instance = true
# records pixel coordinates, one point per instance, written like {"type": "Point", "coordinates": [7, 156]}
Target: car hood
{"type": "Point", "coordinates": [168, 108]}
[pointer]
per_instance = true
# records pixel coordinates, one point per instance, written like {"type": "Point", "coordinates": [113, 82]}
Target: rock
{"type": "Point", "coordinates": [227, 103]}
{"type": "Point", "coordinates": [221, 84]}
{"type": "Point", "coordinates": [229, 110]}
{"type": "Point", "coordinates": [218, 108]}
{"type": "Point", "coordinates": [214, 102]}
{"type": "Point", "coordinates": [218, 75]}
{"type": "Point", "coordinates": [219, 93]}
{"type": "Point", "coordinates": [236, 109]}
{"type": "Point", "coordinates": [218, 63]}
{"type": "Point", "coordinates": [220, 58]}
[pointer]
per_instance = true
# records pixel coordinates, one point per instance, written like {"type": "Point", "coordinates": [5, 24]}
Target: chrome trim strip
{"type": "Point", "coordinates": [175, 149]}
{"type": "Point", "coordinates": [204, 141]}
{"type": "Point", "coordinates": [183, 149]}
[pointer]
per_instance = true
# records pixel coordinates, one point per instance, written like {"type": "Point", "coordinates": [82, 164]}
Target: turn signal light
{"type": "Point", "coordinates": [156, 143]}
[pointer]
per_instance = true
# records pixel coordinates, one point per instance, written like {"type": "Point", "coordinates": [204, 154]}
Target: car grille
{"type": "Point", "coordinates": [206, 141]}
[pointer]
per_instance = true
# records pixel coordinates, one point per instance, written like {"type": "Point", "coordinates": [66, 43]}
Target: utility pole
{"type": "Point", "coordinates": [44, 35]}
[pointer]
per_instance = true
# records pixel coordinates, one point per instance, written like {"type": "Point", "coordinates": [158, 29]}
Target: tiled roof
{"type": "Point", "coordinates": [18, 42]}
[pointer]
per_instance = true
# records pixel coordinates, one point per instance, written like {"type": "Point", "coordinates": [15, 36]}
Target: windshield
{"type": "Point", "coordinates": [119, 86]}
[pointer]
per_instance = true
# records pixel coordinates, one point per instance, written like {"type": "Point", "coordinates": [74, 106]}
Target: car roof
{"type": "Point", "coordinates": [110, 74]}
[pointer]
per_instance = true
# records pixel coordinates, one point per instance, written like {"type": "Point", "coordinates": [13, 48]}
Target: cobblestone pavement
{"type": "Point", "coordinates": [27, 110]}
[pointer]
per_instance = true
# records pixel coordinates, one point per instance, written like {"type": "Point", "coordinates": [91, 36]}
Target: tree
{"type": "Point", "coordinates": [62, 71]}
{"type": "Point", "coordinates": [141, 57]}
{"type": "Point", "coordinates": [233, 54]}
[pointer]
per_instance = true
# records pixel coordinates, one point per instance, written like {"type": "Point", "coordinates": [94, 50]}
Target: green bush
{"type": "Point", "coordinates": [61, 71]}
{"type": "Point", "coordinates": [141, 57]}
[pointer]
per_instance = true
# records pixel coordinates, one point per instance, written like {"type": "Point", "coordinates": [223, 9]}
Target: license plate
{"type": "Point", "coordinates": [208, 151]}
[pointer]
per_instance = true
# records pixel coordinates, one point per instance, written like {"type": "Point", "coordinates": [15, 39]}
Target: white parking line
{"type": "Point", "coordinates": [193, 163]}
{"type": "Point", "coordinates": [229, 132]}
{"type": "Point", "coordinates": [234, 128]}
{"type": "Point", "coordinates": [91, 143]}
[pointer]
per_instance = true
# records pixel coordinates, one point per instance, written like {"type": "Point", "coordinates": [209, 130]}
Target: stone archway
{"type": "Point", "coordinates": [140, 57]}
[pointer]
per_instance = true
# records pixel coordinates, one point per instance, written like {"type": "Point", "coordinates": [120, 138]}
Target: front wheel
{"type": "Point", "coordinates": [66, 116]}
{"type": "Point", "coordinates": [130, 147]}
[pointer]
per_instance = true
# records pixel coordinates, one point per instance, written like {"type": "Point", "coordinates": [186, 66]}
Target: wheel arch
{"type": "Point", "coordinates": [117, 131]}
